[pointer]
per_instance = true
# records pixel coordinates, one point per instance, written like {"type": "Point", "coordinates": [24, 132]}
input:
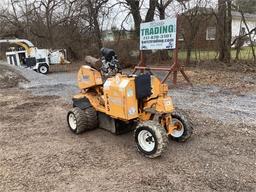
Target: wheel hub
{"type": "Point", "coordinates": [43, 69]}
{"type": "Point", "coordinates": [72, 121]}
{"type": "Point", "coordinates": [149, 139]}
{"type": "Point", "coordinates": [146, 141]}
{"type": "Point", "coordinates": [177, 132]}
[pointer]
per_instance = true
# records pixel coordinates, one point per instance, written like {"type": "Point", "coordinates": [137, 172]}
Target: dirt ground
{"type": "Point", "coordinates": [39, 153]}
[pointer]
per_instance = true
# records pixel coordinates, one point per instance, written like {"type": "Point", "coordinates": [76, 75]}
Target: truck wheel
{"type": "Point", "coordinates": [82, 120]}
{"type": "Point", "coordinates": [151, 139]}
{"type": "Point", "coordinates": [184, 130]}
{"type": "Point", "coordinates": [43, 68]}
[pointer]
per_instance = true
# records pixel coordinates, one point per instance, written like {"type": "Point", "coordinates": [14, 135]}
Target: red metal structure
{"type": "Point", "coordinates": [174, 68]}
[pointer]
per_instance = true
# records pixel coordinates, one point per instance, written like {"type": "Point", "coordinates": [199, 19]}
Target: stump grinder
{"type": "Point", "coordinates": [119, 102]}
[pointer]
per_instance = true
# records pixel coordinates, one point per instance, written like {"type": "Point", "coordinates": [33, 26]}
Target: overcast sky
{"type": "Point", "coordinates": [118, 14]}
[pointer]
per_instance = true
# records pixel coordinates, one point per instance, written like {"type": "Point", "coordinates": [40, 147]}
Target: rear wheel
{"type": "Point", "coordinates": [82, 120]}
{"type": "Point", "coordinates": [151, 139]}
{"type": "Point", "coordinates": [43, 68]}
{"type": "Point", "coordinates": [184, 128]}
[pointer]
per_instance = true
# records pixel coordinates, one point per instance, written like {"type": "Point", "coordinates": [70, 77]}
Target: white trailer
{"type": "Point", "coordinates": [27, 55]}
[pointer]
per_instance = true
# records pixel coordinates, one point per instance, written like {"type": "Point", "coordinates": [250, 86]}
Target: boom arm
{"type": "Point", "coordinates": [27, 45]}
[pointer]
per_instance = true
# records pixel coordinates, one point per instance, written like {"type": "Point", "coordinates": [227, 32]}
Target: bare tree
{"type": "Point", "coordinates": [224, 20]}
{"type": "Point", "coordinates": [191, 21]}
{"type": "Point", "coordinates": [134, 7]}
{"type": "Point", "coordinates": [245, 6]}
{"type": "Point", "coordinates": [249, 35]}
{"type": "Point", "coordinates": [49, 7]}
{"type": "Point", "coordinates": [94, 7]}
{"type": "Point", "coordinates": [161, 7]}
{"type": "Point", "coordinates": [55, 23]}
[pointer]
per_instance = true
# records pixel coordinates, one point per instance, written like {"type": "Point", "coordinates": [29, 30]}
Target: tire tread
{"type": "Point", "coordinates": [187, 126]}
{"type": "Point", "coordinates": [86, 119]}
{"type": "Point", "coordinates": [161, 136]}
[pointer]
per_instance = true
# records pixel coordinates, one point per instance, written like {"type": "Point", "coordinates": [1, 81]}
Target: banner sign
{"type": "Point", "coordinates": [158, 34]}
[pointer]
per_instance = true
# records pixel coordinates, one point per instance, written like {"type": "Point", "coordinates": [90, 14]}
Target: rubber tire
{"type": "Point", "coordinates": [188, 129]}
{"type": "Point", "coordinates": [85, 119]}
{"type": "Point", "coordinates": [159, 134]}
{"type": "Point", "coordinates": [45, 65]}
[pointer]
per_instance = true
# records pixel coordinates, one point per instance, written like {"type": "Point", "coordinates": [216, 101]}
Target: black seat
{"type": "Point", "coordinates": [143, 86]}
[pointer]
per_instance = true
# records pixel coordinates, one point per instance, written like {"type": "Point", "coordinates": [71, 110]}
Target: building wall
{"type": "Point", "coordinates": [201, 42]}
{"type": "Point", "coordinates": [237, 25]}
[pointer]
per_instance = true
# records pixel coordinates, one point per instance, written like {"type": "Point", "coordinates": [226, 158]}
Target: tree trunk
{"type": "Point", "coordinates": [161, 13]}
{"type": "Point", "coordinates": [189, 49]}
{"type": "Point", "coordinates": [93, 62]}
{"type": "Point", "coordinates": [151, 11]}
{"type": "Point", "coordinates": [224, 30]}
{"type": "Point", "coordinates": [135, 11]}
{"type": "Point", "coordinates": [228, 35]}
{"type": "Point", "coordinates": [238, 49]}
{"type": "Point", "coordinates": [221, 28]}
{"type": "Point", "coordinates": [94, 8]}
{"type": "Point", "coordinates": [97, 32]}
{"type": "Point", "coordinates": [161, 9]}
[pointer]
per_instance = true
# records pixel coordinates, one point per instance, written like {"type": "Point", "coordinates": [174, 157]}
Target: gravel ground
{"type": "Point", "coordinates": [58, 84]}
{"type": "Point", "coordinates": [217, 103]}
{"type": "Point", "coordinates": [214, 102]}
{"type": "Point", "coordinates": [39, 153]}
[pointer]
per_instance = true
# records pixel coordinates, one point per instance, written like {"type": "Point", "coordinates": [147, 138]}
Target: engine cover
{"type": "Point", "coordinates": [120, 97]}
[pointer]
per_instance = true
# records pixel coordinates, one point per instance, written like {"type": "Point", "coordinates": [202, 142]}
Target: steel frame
{"type": "Point", "coordinates": [174, 68]}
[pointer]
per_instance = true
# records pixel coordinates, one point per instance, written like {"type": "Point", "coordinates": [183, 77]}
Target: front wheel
{"type": "Point", "coordinates": [151, 139]}
{"type": "Point", "coordinates": [184, 128]}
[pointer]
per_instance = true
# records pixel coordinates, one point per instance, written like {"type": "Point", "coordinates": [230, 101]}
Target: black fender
{"type": "Point", "coordinates": [82, 103]}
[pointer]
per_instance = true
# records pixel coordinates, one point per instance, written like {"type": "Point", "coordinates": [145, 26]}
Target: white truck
{"type": "Point", "coordinates": [27, 55]}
